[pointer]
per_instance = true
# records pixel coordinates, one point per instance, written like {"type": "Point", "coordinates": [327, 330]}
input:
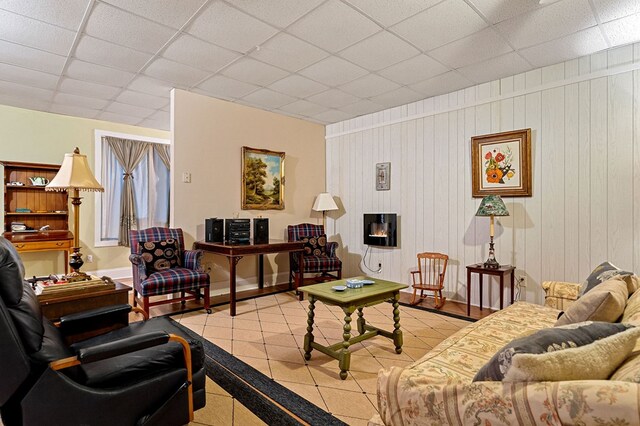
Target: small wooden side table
{"type": "Point", "coordinates": [479, 269]}
{"type": "Point", "coordinates": [58, 306]}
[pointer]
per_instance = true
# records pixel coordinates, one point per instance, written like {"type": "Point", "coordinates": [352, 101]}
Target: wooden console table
{"type": "Point", "coordinates": [235, 252]}
{"type": "Point", "coordinates": [25, 242]}
{"type": "Point", "coordinates": [481, 270]}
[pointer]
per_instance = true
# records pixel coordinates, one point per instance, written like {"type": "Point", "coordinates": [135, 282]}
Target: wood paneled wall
{"type": "Point", "coordinates": [585, 209]}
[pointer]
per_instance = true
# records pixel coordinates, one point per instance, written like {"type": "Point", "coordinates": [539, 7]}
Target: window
{"type": "Point", "coordinates": [151, 182]}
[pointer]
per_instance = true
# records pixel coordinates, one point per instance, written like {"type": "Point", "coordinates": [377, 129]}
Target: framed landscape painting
{"type": "Point", "coordinates": [501, 164]}
{"type": "Point", "coordinates": [262, 179]}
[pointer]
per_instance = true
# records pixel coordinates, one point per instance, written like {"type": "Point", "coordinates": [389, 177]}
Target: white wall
{"type": "Point", "coordinates": [585, 121]}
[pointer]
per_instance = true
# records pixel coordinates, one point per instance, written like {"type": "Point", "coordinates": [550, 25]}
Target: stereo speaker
{"type": "Point", "coordinates": [260, 230]}
{"type": "Point", "coordinates": [214, 232]}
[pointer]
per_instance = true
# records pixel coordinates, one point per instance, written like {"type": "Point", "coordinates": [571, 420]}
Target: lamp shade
{"type": "Point", "coordinates": [492, 205]}
{"type": "Point", "coordinates": [74, 174]}
{"type": "Point", "coordinates": [324, 202]}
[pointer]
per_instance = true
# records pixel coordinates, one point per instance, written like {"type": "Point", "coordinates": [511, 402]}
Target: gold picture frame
{"type": "Point", "coordinates": [262, 179]}
{"type": "Point", "coordinates": [501, 164]}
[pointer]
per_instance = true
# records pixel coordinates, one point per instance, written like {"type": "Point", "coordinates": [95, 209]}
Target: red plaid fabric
{"type": "Point", "coordinates": [190, 277]}
{"type": "Point", "coordinates": [321, 264]}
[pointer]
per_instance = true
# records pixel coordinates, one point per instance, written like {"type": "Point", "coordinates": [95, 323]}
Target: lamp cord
{"type": "Point", "coordinates": [363, 262]}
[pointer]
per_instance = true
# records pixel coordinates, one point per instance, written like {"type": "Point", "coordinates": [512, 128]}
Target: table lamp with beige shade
{"type": "Point", "coordinates": [324, 202]}
{"type": "Point", "coordinates": [75, 176]}
{"type": "Point", "coordinates": [492, 205]}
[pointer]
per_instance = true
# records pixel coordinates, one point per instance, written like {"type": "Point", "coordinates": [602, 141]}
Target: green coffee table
{"type": "Point", "coordinates": [350, 300]}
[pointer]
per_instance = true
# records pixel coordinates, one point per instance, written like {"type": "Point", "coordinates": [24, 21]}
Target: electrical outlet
{"type": "Point", "coordinates": [522, 282]}
{"type": "Point", "coordinates": [186, 177]}
{"type": "Point", "coordinates": [89, 258]}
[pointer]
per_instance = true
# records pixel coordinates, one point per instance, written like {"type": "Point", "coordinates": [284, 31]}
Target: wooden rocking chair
{"type": "Point", "coordinates": [430, 277]}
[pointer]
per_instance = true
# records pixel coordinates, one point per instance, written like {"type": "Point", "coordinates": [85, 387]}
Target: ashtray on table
{"type": "Point", "coordinates": [355, 283]}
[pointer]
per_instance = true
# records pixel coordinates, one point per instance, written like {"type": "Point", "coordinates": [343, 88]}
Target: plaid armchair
{"type": "Point", "coordinates": [188, 279]}
{"type": "Point", "coordinates": [311, 263]}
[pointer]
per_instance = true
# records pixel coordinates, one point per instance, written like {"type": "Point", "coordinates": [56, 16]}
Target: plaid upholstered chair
{"type": "Point", "coordinates": [161, 265]}
{"type": "Point", "coordinates": [319, 256]}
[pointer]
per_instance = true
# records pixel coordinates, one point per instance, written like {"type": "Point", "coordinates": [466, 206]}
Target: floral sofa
{"type": "Point", "coordinates": [438, 389]}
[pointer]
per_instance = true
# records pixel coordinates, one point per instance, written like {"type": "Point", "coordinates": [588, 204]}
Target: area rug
{"type": "Point", "coordinates": [257, 392]}
{"type": "Point", "coordinates": [439, 312]}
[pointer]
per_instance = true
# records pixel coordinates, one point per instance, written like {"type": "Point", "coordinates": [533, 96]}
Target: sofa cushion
{"type": "Point", "coordinates": [160, 255]}
{"type": "Point", "coordinates": [589, 350]}
{"type": "Point", "coordinates": [604, 272]}
{"type": "Point", "coordinates": [605, 302]}
{"type": "Point", "coordinates": [629, 371]}
{"type": "Point", "coordinates": [631, 314]}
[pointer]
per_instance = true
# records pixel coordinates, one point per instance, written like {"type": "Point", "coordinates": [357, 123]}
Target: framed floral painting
{"type": "Point", "coordinates": [501, 164]}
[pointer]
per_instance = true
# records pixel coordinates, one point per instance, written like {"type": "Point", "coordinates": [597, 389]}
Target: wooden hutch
{"type": "Point", "coordinates": [27, 203]}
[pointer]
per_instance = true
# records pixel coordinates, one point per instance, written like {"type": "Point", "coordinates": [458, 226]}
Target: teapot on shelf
{"type": "Point", "coordinates": [38, 181]}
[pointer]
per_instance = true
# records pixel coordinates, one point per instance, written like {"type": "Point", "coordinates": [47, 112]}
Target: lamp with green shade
{"type": "Point", "coordinates": [492, 205]}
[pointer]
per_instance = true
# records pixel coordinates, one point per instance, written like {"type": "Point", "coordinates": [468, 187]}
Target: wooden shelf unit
{"type": "Point", "coordinates": [47, 207]}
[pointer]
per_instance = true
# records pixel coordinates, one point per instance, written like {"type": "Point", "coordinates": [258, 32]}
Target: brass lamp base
{"type": "Point", "coordinates": [76, 262]}
{"type": "Point", "coordinates": [491, 262]}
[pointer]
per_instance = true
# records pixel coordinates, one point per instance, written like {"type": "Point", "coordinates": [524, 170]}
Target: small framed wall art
{"type": "Point", "coordinates": [262, 179]}
{"type": "Point", "coordinates": [501, 164]}
{"type": "Point", "coordinates": [383, 176]}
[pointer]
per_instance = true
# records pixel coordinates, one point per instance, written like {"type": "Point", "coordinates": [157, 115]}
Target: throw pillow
{"type": "Point", "coordinates": [584, 351]}
{"type": "Point", "coordinates": [606, 302]}
{"type": "Point", "coordinates": [629, 371]}
{"type": "Point", "coordinates": [605, 271]}
{"type": "Point", "coordinates": [315, 245]}
{"type": "Point", "coordinates": [160, 255]}
{"type": "Point", "coordinates": [631, 313]}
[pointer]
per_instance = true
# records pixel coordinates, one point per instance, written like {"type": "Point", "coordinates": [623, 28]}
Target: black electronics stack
{"type": "Point", "coordinates": [213, 232]}
{"type": "Point", "coordinates": [237, 231]}
{"type": "Point", "coordinates": [260, 230]}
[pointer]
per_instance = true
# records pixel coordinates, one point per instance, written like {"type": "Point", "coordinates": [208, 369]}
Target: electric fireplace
{"type": "Point", "coordinates": [380, 229]}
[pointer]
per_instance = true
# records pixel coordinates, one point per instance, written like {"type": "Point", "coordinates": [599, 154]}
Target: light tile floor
{"type": "Point", "coordinates": [268, 334]}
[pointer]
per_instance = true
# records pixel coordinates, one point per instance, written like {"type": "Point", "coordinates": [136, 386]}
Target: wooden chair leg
{"type": "Point", "coordinates": [182, 296]}
{"type": "Point", "coordinates": [135, 297]}
{"type": "Point", "coordinates": [413, 298]}
{"type": "Point", "coordinates": [207, 300]}
{"type": "Point", "coordinates": [145, 304]}
{"type": "Point", "coordinates": [340, 273]}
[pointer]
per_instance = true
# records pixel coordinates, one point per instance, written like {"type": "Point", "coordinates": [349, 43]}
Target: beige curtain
{"type": "Point", "coordinates": [163, 153]}
{"type": "Point", "coordinates": [129, 153]}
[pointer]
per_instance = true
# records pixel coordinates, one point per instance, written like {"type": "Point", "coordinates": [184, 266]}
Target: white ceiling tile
{"type": "Point", "coordinates": [499, 10]}
{"type": "Point", "coordinates": [472, 49]}
{"type": "Point", "coordinates": [79, 101]}
{"type": "Point", "coordinates": [495, 68]}
{"type": "Point", "coordinates": [223, 87]}
{"type": "Point", "coordinates": [126, 109]}
{"type": "Point", "coordinates": [286, 12]}
{"type": "Point", "coordinates": [441, 24]}
{"type": "Point", "coordinates": [609, 10]}
{"type": "Point", "coordinates": [228, 27]}
{"type": "Point", "coordinates": [199, 54]}
{"type": "Point", "coordinates": [268, 98]}
{"type": "Point", "coordinates": [160, 116]}
{"type": "Point", "coordinates": [334, 26]}
{"type": "Point", "coordinates": [254, 72]}
{"type": "Point", "coordinates": [331, 116]}
{"type": "Point", "coordinates": [333, 98]}
{"type": "Point", "coordinates": [173, 13]}
{"type": "Point", "coordinates": [119, 118]}
{"type": "Point", "coordinates": [179, 74]}
{"type": "Point", "coordinates": [547, 23]}
{"type": "Point", "coordinates": [333, 71]}
{"type": "Point", "coordinates": [40, 35]}
{"type": "Point", "coordinates": [379, 51]}
{"type": "Point", "coordinates": [389, 12]}
{"type": "Point", "coordinates": [63, 13]}
{"type": "Point", "coordinates": [81, 70]}
{"type": "Point", "coordinates": [142, 99]}
{"type": "Point", "coordinates": [155, 124]}
{"type": "Point", "coordinates": [298, 86]}
{"type": "Point", "coordinates": [15, 89]}
{"type": "Point", "coordinates": [85, 88]}
{"type": "Point", "coordinates": [413, 70]}
{"type": "Point", "coordinates": [288, 52]}
{"type": "Point", "coordinates": [101, 52]}
{"type": "Point", "coordinates": [31, 58]}
{"type": "Point", "coordinates": [126, 29]}
{"type": "Point", "coordinates": [574, 45]}
{"type": "Point", "coordinates": [623, 31]}
{"type": "Point", "coordinates": [445, 83]}
{"type": "Point", "coordinates": [397, 97]}
{"type": "Point", "coordinates": [20, 101]}
{"type": "Point", "coordinates": [73, 110]}
{"type": "Point", "coordinates": [152, 86]}
{"type": "Point", "coordinates": [28, 77]}
{"type": "Point", "coordinates": [361, 107]}
{"type": "Point", "coordinates": [369, 85]}
{"type": "Point", "coordinates": [303, 107]}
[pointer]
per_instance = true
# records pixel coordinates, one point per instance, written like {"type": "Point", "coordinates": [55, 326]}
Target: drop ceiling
{"type": "Point", "coordinates": [320, 60]}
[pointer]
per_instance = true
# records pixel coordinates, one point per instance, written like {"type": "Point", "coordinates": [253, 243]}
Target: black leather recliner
{"type": "Point", "coordinates": [146, 373]}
